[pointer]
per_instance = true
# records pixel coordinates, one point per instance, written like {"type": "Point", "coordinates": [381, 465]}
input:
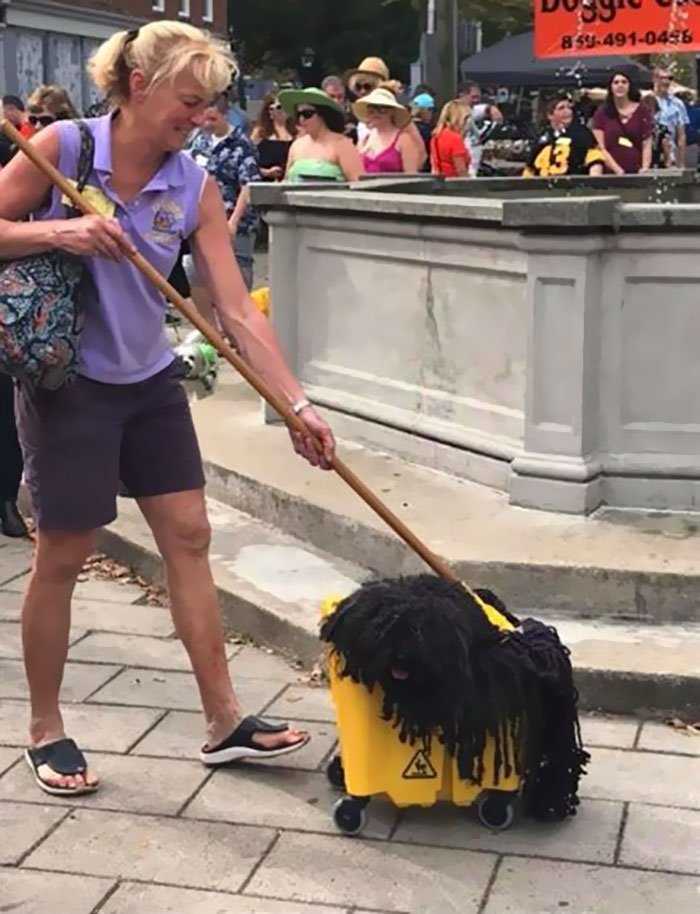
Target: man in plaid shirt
{"type": "Point", "coordinates": [229, 156]}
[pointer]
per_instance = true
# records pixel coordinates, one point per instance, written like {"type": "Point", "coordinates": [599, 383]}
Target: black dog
{"type": "Point", "coordinates": [445, 670]}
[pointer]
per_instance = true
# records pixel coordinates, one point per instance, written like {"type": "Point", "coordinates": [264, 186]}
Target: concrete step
{"type": "Point", "coordinates": [271, 586]}
{"type": "Point", "coordinates": [632, 566]}
{"type": "Point", "coordinates": [615, 565]}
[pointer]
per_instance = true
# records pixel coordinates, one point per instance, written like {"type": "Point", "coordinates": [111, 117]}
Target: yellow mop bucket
{"type": "Point", "coordinates": [373, 761]}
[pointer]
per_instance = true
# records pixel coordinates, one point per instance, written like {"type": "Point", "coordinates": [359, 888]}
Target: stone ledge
{"type": "Point", "coordinates": [565, 586]}
{"type": "Point", "coordinates": [631, 566]}
{"type": "Point", "coordinates": [588, 213]}
{"type": "Point", "coordinates": [626, 686]}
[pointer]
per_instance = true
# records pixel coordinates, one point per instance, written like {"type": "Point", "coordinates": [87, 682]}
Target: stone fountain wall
{"type": "Point", "coordinates": [548, 346]}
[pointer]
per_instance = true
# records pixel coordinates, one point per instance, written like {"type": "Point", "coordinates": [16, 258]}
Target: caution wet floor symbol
{"type": "Point", "coordinates": [419, 768]}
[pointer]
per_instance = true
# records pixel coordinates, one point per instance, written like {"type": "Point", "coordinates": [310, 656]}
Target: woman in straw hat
{"type": "Point", "coordinates": [370, 74]}
{"type": "Point", "coordinates": [126, 419]}
{"type": "Point", "coordinates": [321, 152]}
{"type": "Point", "coordinates": [388, 148]}
{"type": "Point", "coordinates": [365, 78]}
{"type": "Point", "coordinates": [397, 88]}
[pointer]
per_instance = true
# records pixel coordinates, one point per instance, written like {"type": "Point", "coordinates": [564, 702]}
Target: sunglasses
{"type": "Point", "coordinates": [44, 119]}
{"type": "Point", "coordinates": [378, 109]}
{"type": "Point", "coordinates": [276, 107]}
{"type": "Point", "coordinates": [364, 87]}
{"type": "Point", "coordinates": [306, 113]}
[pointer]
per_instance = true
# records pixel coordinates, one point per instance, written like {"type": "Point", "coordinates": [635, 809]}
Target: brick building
{"type": "Point", "coordinates": [50, 41]}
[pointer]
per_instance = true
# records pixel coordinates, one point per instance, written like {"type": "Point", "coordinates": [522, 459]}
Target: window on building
{"type": "Point", "coordinates": [183, 9]}
{"type": "Point", "coordinates": [208, 14]}
{"type": "Point", "coordinates": [158, 6]}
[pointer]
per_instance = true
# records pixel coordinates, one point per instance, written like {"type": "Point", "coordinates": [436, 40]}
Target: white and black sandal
{"type": "Point", "coordinates": [64, 758]}
{"type": "Point", "coordinates": [240, 745]}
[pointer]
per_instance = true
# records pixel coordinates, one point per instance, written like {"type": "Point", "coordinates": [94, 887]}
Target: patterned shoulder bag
{"type": "Point", "coordinates": [39, 304]}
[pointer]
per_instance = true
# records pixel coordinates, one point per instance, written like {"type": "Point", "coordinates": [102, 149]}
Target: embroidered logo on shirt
{"type": "Point", "coordinates": [167, 221]}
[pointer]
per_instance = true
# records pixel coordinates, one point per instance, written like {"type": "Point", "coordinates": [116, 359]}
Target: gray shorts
{"type": "Point", "coordinates": [88, 442]}
{"type": "Point", "coordinates": [243, 247]}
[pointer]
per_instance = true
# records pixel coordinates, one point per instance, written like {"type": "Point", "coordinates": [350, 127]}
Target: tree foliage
{"type": "Point", "coordinates": [497, 17]}
{"type": "Point", "coordinates": [500, 18]}
{"type": "Point", "coordinates": [506, 16]}
{"type": "Point", "coordinates": [275, 33]}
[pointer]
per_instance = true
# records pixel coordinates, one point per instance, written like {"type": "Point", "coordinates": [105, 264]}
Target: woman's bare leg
{"type": "Point", "coordinates": [58, 560]}
{"type": "Point", "coordinates": [181, 530]}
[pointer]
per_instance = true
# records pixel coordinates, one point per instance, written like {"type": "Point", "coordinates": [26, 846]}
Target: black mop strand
{"type": "Point", "coordinates": [446, 671]}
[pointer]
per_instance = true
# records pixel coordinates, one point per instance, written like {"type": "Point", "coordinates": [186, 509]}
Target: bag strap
{"type": "Point", "coordinates": [86, 159]}
{"type": "Point", "coordinates": [87, 154]}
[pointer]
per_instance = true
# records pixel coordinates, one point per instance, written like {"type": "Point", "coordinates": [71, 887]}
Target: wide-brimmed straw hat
{"type": "Point", "coordinates": [290, 98]}
{"type": "Point", "coordinates": [382, 98]}
{"type": "Point", "coordinates": [373, 67]}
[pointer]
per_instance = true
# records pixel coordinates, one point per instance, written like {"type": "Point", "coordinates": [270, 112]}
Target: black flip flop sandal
{"type": "Point", "coordinates": [64, 758]}
{"type": "Point", "coordinates": [239, 745]}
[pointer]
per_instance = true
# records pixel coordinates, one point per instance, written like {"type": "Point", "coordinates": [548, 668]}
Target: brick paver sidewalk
{"type": "Point", "coordinates": [166, 835]}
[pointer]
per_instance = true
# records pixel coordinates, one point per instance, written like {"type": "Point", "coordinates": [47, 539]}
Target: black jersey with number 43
{"type": "Point", "coordinates": [564, 152]}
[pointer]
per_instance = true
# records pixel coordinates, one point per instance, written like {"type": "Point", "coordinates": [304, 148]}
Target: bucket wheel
{"type": "Point", "coordinates": [350, 815]}
{"type": "Point", "coordinates": [496, 810]}
{"type": "Point", "coordinates": [335, 773]}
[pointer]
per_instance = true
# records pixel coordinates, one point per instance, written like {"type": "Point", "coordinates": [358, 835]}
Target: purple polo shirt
{"type": "Point", "coordinates": [123, 339]}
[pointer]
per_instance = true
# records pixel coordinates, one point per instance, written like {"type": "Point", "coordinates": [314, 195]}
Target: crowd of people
{"type": "Point", "coordinates": [363, 123]}
{"type": "Point", "coordinates": [631, 132]}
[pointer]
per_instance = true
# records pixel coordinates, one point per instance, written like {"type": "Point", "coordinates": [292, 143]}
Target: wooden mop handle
{"type": "Point", "coordinates": [224, 348]}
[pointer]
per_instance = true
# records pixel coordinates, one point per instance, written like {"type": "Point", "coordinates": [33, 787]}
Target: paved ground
{"type": "Point", "coordinates": [166, 835]}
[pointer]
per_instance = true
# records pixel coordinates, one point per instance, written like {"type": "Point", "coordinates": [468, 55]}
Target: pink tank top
{"type": "Point", "coordinates": [387, 161]}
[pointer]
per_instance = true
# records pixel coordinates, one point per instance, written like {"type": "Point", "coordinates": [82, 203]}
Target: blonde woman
{"type": "Point", "coordinates": [411, 130]}
{"type": "Point", "coordinates": [387, 148]}
{"type": "Point", "coordinates": [449, 155]}
{"type": "Point", "coordinates": [126, 419]}
{"type": "Point", "coordinates": [47, 104]}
